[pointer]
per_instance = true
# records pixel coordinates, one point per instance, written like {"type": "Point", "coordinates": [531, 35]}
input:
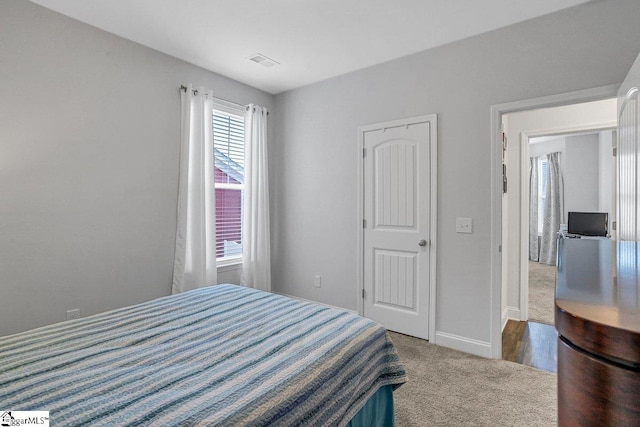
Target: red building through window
{"type": "Point", "coordinates": [228, 217]}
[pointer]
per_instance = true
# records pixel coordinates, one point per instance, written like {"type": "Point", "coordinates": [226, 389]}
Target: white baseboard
{"type": "Point", "coordinates": [468, 345]}
{"type": "Point", "coordinates": [510, 313]}
{"type": "Point", "coordinates": [314, 302]}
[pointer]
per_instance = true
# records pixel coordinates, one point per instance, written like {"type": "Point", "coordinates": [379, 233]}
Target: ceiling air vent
{"type": "Point", "coordinates": [259, 58]}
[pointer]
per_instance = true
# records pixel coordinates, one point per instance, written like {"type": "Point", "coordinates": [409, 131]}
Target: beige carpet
{"type": "Point", "coordinates": [542, 282]}
{"type": "Point", "coordinates": [450, 388]}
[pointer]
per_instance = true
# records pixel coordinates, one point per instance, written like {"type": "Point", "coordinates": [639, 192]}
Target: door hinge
{"type": "Point", "coordinates": [615, 151]}
{"type": "Point", "coordinates": [499, 248]}
{"type": "Point", "coordinates": [364, 223]}
{"type": "Point", "coordinates": [363, 294]}
{"type": "Point", "coordinates": [613, 225]}
{"type": "Point", "coordinates": [364, 152]}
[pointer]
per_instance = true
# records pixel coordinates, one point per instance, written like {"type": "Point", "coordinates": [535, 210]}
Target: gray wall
{"type": "Point", "coordinates": [316, 189]}
{"type": "Point", "coordinates": [581, 173]}
{"type": "Point", "coordinates": [89, 146]}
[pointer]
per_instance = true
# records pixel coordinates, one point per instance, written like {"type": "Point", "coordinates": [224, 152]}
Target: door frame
{"type": "Point", "coordinates": [433, 199]}
{"type": "Point", "coordinates": [576, 97]}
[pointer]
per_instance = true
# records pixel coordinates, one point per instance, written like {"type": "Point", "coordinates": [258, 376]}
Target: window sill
{"type": "Point", "coordinates": [228, 264]}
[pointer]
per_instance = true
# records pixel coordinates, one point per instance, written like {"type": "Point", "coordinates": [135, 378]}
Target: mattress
{"type": "Point", "coordinates": [221, 355]}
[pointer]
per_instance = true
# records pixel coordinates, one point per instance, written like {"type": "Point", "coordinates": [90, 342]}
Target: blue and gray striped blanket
{"type": "Point", "coordinates": [222, 355]}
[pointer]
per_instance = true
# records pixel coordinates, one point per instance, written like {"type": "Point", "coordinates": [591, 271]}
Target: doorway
{"type": "Point", "coordinates": [564, 173]}
{"type": "Point", "coordinates": [505, 305]}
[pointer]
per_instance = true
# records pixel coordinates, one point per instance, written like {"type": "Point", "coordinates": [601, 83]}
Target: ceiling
{"type": "Point", "coordinates": [312, 40]}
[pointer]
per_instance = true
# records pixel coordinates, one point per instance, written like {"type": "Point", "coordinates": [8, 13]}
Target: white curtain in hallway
{"type": "Point", "coordinates": [195, 256]}
{"type": "Point", "coordinates": [533, 209]}
{"type": "Point", "coordinates": [256, 240]}
{"type": "Point", "coordinates": [553, 211]}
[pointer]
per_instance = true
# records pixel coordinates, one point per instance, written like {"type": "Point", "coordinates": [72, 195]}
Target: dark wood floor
{"type": "Point", "coordinates": [530, 343]}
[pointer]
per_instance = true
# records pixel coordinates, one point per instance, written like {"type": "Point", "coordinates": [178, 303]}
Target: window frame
{"type": "Point", "coordinates": [229, 108]}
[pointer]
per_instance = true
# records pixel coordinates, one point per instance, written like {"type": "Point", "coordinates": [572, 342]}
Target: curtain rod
{"type": "Point", "coordinates": [195, 92]}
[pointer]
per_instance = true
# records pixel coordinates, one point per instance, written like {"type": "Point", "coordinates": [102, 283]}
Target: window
{"type": "Point", "coordinates": [228, 146]}
{"type": "Point", "coordinates": [543, 177]}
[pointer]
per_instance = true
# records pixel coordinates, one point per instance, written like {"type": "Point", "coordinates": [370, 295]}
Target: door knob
{"type": "Point", "coordinates": [422, 243]}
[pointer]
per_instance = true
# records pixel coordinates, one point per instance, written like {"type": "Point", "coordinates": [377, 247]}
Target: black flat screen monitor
{"type": "Point", "coordinates": [588, 223]}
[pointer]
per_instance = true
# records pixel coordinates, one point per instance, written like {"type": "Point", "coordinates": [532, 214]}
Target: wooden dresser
{"type": "Point", "coordinates": [597, 315]}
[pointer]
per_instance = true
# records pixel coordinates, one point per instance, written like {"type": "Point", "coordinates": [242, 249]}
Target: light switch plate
{"type": "Point", "coordinates": [464, 225]}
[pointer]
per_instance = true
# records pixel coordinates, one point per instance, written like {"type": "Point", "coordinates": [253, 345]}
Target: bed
{"type": "Point", "coordinates": [221, 355]}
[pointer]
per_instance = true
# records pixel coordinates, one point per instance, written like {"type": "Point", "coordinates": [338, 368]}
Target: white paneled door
{"type": "Point", "coordinates": [398, 235]}
{"type": "Point", "coordinates": [628, 209]}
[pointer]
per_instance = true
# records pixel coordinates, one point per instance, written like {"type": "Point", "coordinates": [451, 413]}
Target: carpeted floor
{"type": "Point", "coordinates": [451, 388]}
{"type": "Point", "coordinates": [542, 282]}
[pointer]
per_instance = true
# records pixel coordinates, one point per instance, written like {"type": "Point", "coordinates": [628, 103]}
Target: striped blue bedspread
{"type": "Point", "coordinates": [222, 355]}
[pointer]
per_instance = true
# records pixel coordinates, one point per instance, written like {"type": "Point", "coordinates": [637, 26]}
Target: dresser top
{"type": "Point", "coordinates": [598, 291]}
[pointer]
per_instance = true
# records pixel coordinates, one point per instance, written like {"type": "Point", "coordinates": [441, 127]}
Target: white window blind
{"type": "Point", "coordinates": [228, 145]}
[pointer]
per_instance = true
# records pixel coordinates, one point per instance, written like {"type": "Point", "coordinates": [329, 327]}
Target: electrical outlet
{"type": "Point", "coordinates": [464, 225]}
{"type": "Point", "coordinates": [73, 314]}
{"type": "Point", "coordinates": [317, 281]}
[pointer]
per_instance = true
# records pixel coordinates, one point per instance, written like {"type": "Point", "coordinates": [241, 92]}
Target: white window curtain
{"type": "Point", "coordinates": [553, 211]}
{"type": "Point", "coordinates": [256, 241]}
{"type": "Point", "coordinates": [195, 257]}
{"type": "Point", "coordinates": [533, 209]}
